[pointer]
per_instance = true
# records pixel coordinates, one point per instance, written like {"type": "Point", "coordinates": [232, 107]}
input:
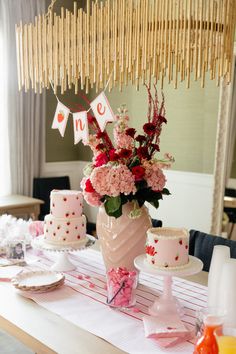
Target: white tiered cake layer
{"type": "Point", "coordinates": [167, 247]}
{"type": "Point", "coordinates": [64, 230]}
{"type": "Point", "coordinates": [66, 203]}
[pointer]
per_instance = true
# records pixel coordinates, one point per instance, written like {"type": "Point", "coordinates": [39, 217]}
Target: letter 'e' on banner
{"type": "Point", "coordinates": [102, 110]}
{"type": "Point", "coordinates": [80, 124]}
{"type": "Point", "coordinates": [61, 118]}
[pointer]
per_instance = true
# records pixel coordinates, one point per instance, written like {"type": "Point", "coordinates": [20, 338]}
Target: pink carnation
{"type": "Point", "coordinates": [113, 180]}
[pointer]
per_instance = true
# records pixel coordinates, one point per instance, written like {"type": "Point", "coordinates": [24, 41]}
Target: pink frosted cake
{"type": "Point", "coordinates": [167, 247]}
{"type": "Point", "coordinates": [65, 224]}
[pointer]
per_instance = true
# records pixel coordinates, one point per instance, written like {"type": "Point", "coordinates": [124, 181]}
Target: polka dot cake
{"type": "Point", "coordinates": [167, 247]}
{"type": "Point", "coordinates": [66, 223]}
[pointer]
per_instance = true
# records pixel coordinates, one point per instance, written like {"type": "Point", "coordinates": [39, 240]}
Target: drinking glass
{"type": "Point", "coordinates": [227, 290]}
{"type": "Point", "coordinates": [226, 339]}
{"type": "Point", "coordinates": [121, 285]}
{"type": "Point", "coordinates": [220, 255]}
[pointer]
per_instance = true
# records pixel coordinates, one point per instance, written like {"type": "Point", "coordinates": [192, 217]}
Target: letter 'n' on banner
{"type": "Point", "coordinates": [102, 110]}
{"type": "Point", "coordinates": [60, 118]}
{"type": "Point", "coordinates": [80, 124]}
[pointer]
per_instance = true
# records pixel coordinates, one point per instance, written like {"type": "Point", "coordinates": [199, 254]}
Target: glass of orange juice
{"type": "Point", "coordinates": [226, 339]}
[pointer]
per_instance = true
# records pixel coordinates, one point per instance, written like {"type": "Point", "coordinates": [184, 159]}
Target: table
{"type": "Point", "coordinates": [46, 332]}
{"type": "Point", "coordinates": [20, 205]}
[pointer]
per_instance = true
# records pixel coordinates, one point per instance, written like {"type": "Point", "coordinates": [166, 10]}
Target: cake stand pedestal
{"type": "Point", "coordinates": [167, 304]}
{"type": "Point", "coordinates": [63, 263]}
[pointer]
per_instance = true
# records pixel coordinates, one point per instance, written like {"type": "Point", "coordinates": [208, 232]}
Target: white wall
{"type": "Point", "coordinates": [189, 205]}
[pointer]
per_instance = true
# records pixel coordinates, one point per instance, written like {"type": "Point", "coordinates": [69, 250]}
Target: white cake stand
{"type": "Point", "coordinates": [167, 304]}
{"type": "Point", "coordinates": [63, 263]}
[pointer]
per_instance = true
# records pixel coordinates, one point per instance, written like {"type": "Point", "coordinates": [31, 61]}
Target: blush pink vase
{"type": "Point", "coordinates": [122, 239]}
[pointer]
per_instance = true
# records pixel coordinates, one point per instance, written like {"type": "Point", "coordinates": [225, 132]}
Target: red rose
{"type": "Point", "coordinates": [130, 131]}
{"type": "Point", "coordinates": [125, 153]}
{"type": "Point", "coordinates": [101, 159]}
{"type": "Point", "coordinates": [89, 187]}
{"type": "Point", "coordinates": [138, 172]}
{"type": "Point", "coordinates": [149, 128]}
{"type": "Point", "coordinates": [113, 155]}
{"type": "Point", "coordinates": [155, 147]}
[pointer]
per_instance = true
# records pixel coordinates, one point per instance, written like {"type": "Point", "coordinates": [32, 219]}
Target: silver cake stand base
{"type": "Point", "coordinates": [63, 263]}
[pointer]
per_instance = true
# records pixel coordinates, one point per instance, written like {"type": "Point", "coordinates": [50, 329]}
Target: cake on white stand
{"type": "Point", "coordinates": [63, 263]}
{"type": "Point", "coordinates": [167, 304]}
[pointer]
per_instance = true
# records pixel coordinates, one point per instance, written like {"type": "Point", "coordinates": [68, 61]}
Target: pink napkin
{"type": "Point", "coordinates": [167, 331]}
{"type": "Point", "coordinates": [36, 228]}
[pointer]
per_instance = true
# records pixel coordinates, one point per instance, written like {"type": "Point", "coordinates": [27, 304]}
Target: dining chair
{"type": "Point", "coordinates": [42, 186]}
{"type": "Point", "coordinates": [201, 246]}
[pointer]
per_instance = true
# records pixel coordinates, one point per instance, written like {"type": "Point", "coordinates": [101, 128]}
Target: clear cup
{"type": "Point", "coordinates": [207, 316]}
{"type": "Point", "coordinates": [121, 285]}
{"type": "Point", "coordinates": [226, 339]}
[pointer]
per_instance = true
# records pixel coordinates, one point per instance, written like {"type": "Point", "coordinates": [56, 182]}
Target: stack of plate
{"type": "Point", "coordinates": [38, 281]}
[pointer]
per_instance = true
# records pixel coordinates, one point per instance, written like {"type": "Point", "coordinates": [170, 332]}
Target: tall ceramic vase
{"type": "Point", "coordinates": [124, 238]}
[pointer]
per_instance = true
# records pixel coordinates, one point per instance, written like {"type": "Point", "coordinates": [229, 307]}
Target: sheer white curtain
{"type": "Point", "coordinates": [22, 114]}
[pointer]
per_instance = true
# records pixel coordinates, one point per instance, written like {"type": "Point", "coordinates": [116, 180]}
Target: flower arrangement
{"type": "Point", "coordinates": [128, 169]}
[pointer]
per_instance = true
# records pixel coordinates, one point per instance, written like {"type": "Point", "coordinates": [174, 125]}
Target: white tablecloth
{"type": "Point", "coordinates": [83, 302]}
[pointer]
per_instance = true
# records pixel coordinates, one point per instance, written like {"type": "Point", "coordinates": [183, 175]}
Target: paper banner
{"type": "Point", "coordinates": [60, 118]}
{"type": "Point", "coordinates": [102, 110]}
{"type": "Point", "coordinates": [80, 124]}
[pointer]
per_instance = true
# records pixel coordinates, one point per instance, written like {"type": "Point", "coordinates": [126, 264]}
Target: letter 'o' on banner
{"type": "Point", "coordinates": [80, 124]}
{"type": "Point", "coordinates": [102, 110]}
{"type": "Point", "coordinates": [61, 118]}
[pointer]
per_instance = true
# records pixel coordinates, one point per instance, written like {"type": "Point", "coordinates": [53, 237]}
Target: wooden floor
{"type": "Point", "coordinates": [9, 345]}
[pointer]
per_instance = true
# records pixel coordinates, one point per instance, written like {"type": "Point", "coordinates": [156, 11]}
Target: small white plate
{"type": "Point", "coordinates": [37, 280]}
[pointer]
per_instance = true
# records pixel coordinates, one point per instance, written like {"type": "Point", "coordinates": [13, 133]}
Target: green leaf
{"type": "Point", "coordinates": [155, 203]}
{"type": "Point", "coordinates": [135, 162]}
{"type": "Point", "coordinates": [166, 191]}
{"type": "Point", "coordinates": [112, 204]}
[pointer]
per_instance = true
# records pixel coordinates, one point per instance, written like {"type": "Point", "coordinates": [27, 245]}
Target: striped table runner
{"type": "Point", "coordinates": [83, 302]}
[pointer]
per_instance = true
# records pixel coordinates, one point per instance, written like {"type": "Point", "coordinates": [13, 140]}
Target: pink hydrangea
{"type": "Point", "coordinates": [92, 198]}
{"type": "Point", "coordinates": [154, 176]}
{"type": "Point", "coordinates": [155, 179]}
{"type": "Point", "coordinates": [113, 180]}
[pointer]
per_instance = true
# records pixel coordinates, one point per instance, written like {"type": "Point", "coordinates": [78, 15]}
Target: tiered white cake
{"type": "Point", "coordinates": [66, 223]}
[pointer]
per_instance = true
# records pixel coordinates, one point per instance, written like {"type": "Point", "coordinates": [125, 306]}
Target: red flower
{"type": "Point", "coordinates": [89, 187]}
{"type": "Point", "coordinates": [149, 128]}
{"type": "Point", "coordinates": [113, 155]}
{"type": "Point", "coordinates": [125, 153]}
{"type": "Point", "coordinates": [140, 138]}
{"type": "Point", "coordinates": [130, 131]}
{"type": "Point", "coordinates": [100, 146]}
{"type": "Point", "coordinates": [138, 172]}
{"type": "Point", "coordinates": [150, 250]}
{"type": "Point", "coordinates": [100, 135]}
{"type": "Point", "coordinates": [155, 147]}
{"type": "Point", "coordinates": [142, 152]}
{"type": "Point", "coordinates": [101, 159]}
{"type": "Point", "coordinates": [91, 119]}
{"type": "Point", "coordinates": [162, 119]}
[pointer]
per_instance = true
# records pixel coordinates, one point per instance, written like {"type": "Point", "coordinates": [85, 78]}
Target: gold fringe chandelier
{"type": "Point", "coordinates": [128, 41]}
